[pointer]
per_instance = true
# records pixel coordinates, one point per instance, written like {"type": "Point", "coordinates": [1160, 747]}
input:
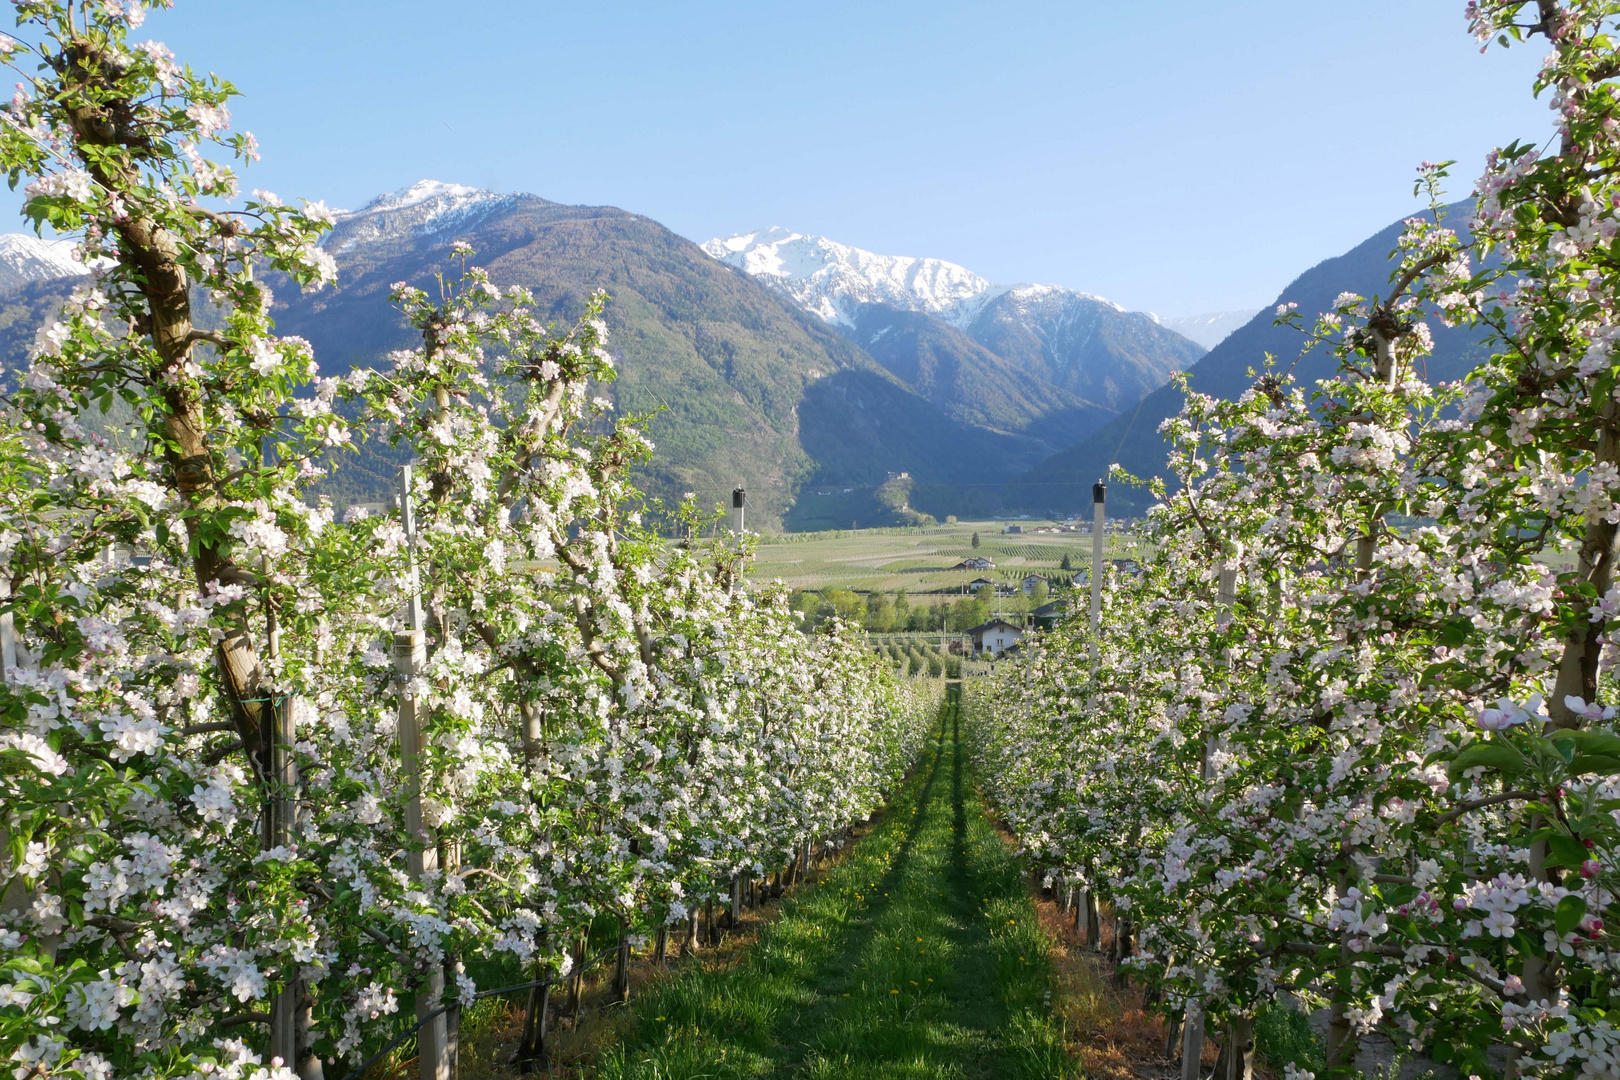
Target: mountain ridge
{"type": "Point", "coordinates": [1045, 362]}
{"type": "Point", "coordinates": [1062, 482]}
{"type": "Point", "coordinates": [746, 384]}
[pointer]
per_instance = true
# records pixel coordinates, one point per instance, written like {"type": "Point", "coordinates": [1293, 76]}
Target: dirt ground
{"type": "Point", "coordinates": [1114, 1037]}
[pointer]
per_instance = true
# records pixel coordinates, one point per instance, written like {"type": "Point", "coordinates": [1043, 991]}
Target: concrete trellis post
{"type": "Point", "coordinates": [1099, 496]}
{"type": "Point", "coordinates": [17, 898]}
{"type": "Point", "coordinates": [410, 660]}
{"type": "Point", "coordinates": [8, 636]}
{"type": "Point", "coordinates": [290, 1011]}
{"type": "Point", "coordinates": [1099, 522]}
{"type": "Point", "coordinates": [1192, 1031]}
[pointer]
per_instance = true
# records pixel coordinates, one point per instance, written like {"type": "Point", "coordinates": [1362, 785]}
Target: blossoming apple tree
{"type": "Point", "coordinates": [241, 827]}
{"type": "Point", "coordinates": [1350, 735]}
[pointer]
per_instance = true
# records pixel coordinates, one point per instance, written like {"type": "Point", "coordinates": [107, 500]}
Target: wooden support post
{"type": "Point", "coordinates": [17, 898]}
{"type": "Point", "coordinates": [735, 918]}
{"type": "Point", "coordinates": [661, 945]}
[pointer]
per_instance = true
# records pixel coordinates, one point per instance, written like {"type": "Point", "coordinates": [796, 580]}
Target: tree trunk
{"type": "Point", "coordinates": [1172, 1035]}
{"type": "Point", "coordinates": [1578, 668]}
{"type": "Point", "coordinates": [576, 980]}
{"type": "Point", "coordinates": [154, 254]}
{"type": "Point", "coordinates": [1342, 1043]}
{"type": "Point", "coordinates": [621, 967]}
{"type": "Point", "coordinates": [531, 1050]}
{"type": "Point", "coordinates": [1239, 1049]}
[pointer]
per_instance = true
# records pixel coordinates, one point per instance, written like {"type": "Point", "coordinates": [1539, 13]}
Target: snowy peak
{"type": "Point", "coordinates": [1040, 334]}
{"type": "Point", "coordinates": [426, 208]}
{"type": "Point", "coordinates": [1035, 297]}
{"type": "Point", "coordinates": [832, 279]}
{"type": "Point", "coordinates": [25, 259]}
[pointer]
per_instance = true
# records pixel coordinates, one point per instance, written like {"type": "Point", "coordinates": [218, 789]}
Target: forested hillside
{"type": "Point", "coordinates": [1063, 481]}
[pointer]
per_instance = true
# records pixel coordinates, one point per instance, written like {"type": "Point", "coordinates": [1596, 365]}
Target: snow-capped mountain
{"type": "Point", "coordinates": [1045, 334]}
{"type": "Point", "coordinates": [25, 259]}
{"type": "Point", "coordinates": [426, 208]}
{"type": "Point", "coordinates": [1211, 328]}
{"type": "Point", "coordinates": [832, 279]}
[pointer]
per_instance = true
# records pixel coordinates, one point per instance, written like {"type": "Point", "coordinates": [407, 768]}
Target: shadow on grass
{"type": "Point", "coordinates": [918, 956]}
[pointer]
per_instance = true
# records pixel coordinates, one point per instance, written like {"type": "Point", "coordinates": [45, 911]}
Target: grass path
{"type": "Point", "coordinates": [918, 955]}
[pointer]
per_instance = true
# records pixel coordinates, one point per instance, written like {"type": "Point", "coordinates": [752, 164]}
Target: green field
{"type": "Point", "coordinates": [920, 560]}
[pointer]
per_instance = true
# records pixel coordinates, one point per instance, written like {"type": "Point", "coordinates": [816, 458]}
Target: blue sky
{"type": "Point", "coordinates": [1173, 156]}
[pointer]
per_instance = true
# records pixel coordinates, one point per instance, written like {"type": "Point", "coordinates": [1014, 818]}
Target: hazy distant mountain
{"type": "Point", "coordinates": [1082, 343]}
{"type": "Point", "coordinates": [1064, 480]}
{"type": "Point", "coordinates": [1211, 328]}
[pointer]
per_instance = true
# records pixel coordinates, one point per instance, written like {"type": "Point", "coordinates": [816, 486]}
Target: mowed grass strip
{"type": "Point", "coordinates": [919, 955]}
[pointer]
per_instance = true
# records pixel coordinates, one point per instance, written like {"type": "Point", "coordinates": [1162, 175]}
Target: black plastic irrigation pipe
{"type": "Point", "coordinates": [442, 1009]}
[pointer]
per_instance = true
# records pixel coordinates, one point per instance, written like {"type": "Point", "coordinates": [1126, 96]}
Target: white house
{"type": "Point", "coordinates": [994, 637]}
{"type": "Point", "coordinates": [1032, 580]}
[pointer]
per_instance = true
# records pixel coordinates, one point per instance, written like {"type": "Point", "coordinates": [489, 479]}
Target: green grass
{"type": "Point", "coordinates": [917, 956]}
{"type": "Point", "coordinates": [1283, 1036]}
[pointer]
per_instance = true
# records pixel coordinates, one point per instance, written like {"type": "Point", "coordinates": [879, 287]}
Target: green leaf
{"type": "Point", "coordinates": [1454, 631]}
{"type": "Point", "coordinates": [1594, 763]}
{"type": "Point", "coordinates": [1569, 913]}
{"type": "Point", "coordinates": [1594, 740]}
{"type": "Point", "coordinates": [1566, 851]}
{"type": "Point", "coordinates": [1493, 755]}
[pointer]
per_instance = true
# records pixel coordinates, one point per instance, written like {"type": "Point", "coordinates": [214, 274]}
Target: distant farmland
{"type": "Point", "coordinates": [920, 560]}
